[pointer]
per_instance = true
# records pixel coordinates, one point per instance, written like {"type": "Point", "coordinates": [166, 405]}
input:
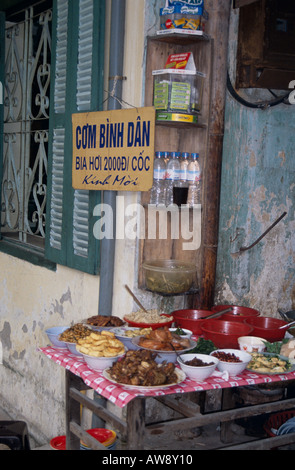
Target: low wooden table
{"type": "Point", "coordinates": [178, 398]}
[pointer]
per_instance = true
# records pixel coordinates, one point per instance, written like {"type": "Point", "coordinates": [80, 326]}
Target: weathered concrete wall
{"type": "Point", "coordinates": [257, 187]}
{"type": "Point", "coordinates": [258, 180]}
{"type": "Point", "coordinates": [33, 299]}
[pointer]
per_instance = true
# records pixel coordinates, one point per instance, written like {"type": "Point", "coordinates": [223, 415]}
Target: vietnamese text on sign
{"type": "Point", "coordinates": [114, 150]}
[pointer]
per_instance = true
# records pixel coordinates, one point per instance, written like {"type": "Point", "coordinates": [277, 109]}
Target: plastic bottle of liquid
{"type": "Point", "coordinates": [158, 189]}
{"type": "Point", "coordinates": [194, 178]}
{"type": "Point", "coordinates": [172, 176]}
{"type": "Point", "coordinates": [184, 161]}
{"type": "Point", "coordinates": [180, 189]}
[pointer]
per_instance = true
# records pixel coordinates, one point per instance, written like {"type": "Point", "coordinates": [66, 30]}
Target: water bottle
{"type": "Point", "coordinates": [158, 188]}
{"type": "Point", "coordinates": [180, 190]}
{"type": "Point", "coordinates": [172, 176]}
{"type": "Point", "coordinates": [194, 178]}
{"type": "Point", "coordinates": [184, 169]}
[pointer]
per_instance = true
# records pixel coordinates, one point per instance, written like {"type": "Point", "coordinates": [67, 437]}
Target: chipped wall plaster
{"type": "Point", "coordinates": [33, 299]}
{"type": "Point", "coordinates": [258, 174]}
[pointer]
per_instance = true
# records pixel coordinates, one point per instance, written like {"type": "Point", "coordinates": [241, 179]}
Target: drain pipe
{"type": "Point", "coordinates": [116, 58]}
{"type": "Point", "coordinates": [107, 259]}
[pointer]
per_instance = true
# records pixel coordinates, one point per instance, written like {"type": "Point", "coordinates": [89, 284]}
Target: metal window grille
{"type": "Point", "coordinates": [26, 123]}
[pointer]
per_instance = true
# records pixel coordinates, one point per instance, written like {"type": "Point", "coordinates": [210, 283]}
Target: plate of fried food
{"type": "Point", "coordinates": [104, 322]}
{"type": "Point", "coordinates": [138, 370]}
{"type": "Point", "coordinates": [166, 344]}
{"type": "Point", "coordinates": [72, 334]}
{"type": "Point", "coordinates": [100, 349]}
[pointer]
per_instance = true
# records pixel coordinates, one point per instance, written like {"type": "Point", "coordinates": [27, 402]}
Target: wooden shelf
{"type": "Point", "coordinates": [181, 125]}
{"type": "Point", "coordinates": [177, 136]}
{"type": "Point", "coordinates": [178, 37]}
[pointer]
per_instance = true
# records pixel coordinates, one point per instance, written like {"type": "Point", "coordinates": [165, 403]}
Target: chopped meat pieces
{"type": "Point", "coordinates": [139, 368]}
{"type": "Point", "coordinates": [198, 362]}
{"type": "Point", "coordinates": [104, 320]}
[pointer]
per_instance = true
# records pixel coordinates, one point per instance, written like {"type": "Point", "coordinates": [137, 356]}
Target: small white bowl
{"type": "Point", "coordinates": [251, 344]}
{"type": "Point", "coordinates": [198, 373]}
{"type": "Point", "coordinates": [233, 368]}
{"type": "Point", "coordinates": [100, 363]}
{"type": "Point", "coordinates": [187, 333]}
{"type": "Point", "coordinates": [72, 348]}
{"type": "Point", "coordinates": [53, 335]}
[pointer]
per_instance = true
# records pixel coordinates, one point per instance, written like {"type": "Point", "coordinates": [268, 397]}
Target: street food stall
{"type": "Point", "coordinates": [174, 376]}
{"type": "Point", "coordinates": [183, 117]}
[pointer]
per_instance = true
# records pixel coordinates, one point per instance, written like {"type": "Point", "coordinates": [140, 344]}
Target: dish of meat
{"type": "Point", "coordinates": [180, 377]}
{"type": "Point", "coordinates": [98, 322]}
{"type": "Point", "coordinates": [139, 370]}
{"type": "Point", "coordinates": [162, 339]}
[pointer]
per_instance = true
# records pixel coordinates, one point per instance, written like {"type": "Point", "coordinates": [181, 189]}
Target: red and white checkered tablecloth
{"type": "Point", "coordinates": [120, 395]}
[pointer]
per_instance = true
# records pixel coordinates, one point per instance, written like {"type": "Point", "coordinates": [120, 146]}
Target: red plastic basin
{"type": "Point", "coordinates": [238, 313]}
{"type": "Point", "coordinates": [223, 333]}
{"type": "Point", "coordinates": [190, 319]}
{"type": "Point", "coordinates": [267, 328]}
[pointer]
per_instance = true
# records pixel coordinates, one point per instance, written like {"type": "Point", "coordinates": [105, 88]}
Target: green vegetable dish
{"type": "Point", "coordinates": [203, 346]}
{"type": "Point", "coordinates": [179, 331]}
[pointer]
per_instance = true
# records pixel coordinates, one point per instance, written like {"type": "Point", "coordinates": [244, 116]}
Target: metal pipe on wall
{"type": "Point", "coordinates": [116, 59]}
{"type": "Point", "coordinates": [107, 259]}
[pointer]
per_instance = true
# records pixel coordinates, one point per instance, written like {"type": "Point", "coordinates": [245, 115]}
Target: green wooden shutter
{"type": "Point", "coordinates": [77, 86]}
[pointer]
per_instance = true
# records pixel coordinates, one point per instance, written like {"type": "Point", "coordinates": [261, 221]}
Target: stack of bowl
{"type": "Point", "coordinates": [238, 313]}
{"type": "Point", "coordinates": [267, 328]}
{"type": "Point", "coordinates": [190, 319]}
{"type": "Point", "coordinates": [53, 334]}
{"type": "Point", "coordinates": [224, 333]}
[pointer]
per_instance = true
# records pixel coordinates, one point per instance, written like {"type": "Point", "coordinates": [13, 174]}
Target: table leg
{"type": "Point", "coordinates": [136, 424]}
{"type": "Point", "coordinates": [73, 414]}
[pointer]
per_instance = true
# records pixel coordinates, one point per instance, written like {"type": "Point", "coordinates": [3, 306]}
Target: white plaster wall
{"type": "Point", "coordinates": [33, 299]}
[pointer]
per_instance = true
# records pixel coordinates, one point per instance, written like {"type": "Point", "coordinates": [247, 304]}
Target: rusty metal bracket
{"type": "Point", "coordinates": [246, 248]}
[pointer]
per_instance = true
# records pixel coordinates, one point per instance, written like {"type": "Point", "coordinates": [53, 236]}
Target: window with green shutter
{"type": "Point", "coordinates": [75, 46]}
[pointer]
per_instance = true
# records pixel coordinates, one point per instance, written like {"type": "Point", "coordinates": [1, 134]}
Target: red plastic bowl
{"type": "Point", "coordinates": [223, 333]}
{"type": "Point", "coordinates": [267, 328]}
{"type": "Point", "coordinates": [238, 312]}
{"type": "Point", "coordinates": [190, 319]}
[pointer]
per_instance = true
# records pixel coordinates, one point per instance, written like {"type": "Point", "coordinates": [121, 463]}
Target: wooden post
{"type": "Point", "coordinates": [218, 26]}
{"type": "Point", "coordinates": [72, 414]}
{"type": "Point", "coordinates": [136, 424]}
